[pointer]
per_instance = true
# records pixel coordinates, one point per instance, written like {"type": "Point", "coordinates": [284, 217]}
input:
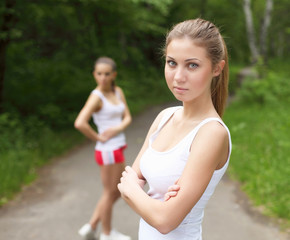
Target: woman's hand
{"type": "Point", "coordinates": [101, 138]}
{"type": "Point", "coordinates": [108, 134]}
{"type": "Point", "coordinates": [129, 182]}
{"type": "Point", "coordinates": [172, 191]}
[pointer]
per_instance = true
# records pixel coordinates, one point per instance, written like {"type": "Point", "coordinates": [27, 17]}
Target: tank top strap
{"type": "Point", "coordinates": [99, 93]}
{"type": "Point", "coordinates": [118, 95]}
{"type": "Point", "coordinates": [203, 122]}
{"type": "Point", "coordinates": [167, 115]}
{"type": "Point", "coordinates": [190, 137]}
{"type": "Point", "coordinates": [102, 97]}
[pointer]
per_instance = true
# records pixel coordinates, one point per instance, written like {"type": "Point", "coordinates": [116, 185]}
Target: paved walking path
{"type": "Point", "coordinates": [65, 194]}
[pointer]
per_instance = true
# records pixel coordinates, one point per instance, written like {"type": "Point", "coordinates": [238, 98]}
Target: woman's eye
{"type": "Point", "coordinates": [193, 65]}
{"type": "Point", "coordinates": [171, 63]}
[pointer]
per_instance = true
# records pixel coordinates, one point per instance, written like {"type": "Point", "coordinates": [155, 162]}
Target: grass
{"type": "Point", "coordinates": [261, 156]}
{"type": "Point", "coordinates": [18, 166]}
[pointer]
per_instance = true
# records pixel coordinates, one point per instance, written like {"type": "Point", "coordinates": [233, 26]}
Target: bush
{"type": "Point", "coordinates": [273, 89]}
{"type": "Point", "coordinates": [234, 77]}
{"type": "Point", "coordinates": [145, 89]}
{"type": "Point", "coordinates": [26, 144]}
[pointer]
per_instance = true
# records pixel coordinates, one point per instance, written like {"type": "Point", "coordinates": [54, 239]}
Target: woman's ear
{"type": "Point", "coordinates": [219, 68]}
{"type": "Point", "coordinates": [94, 73]}
{"type": "Point", "coordinates": [115, 74]}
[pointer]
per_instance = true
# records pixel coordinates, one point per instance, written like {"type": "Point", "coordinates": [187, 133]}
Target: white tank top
{"type": "Point", "coordinates": [162, 169]}
{"type": "Point", "coordinates": [110, 115]}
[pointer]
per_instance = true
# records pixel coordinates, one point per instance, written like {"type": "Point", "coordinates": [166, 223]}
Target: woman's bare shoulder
{"type": "Point", "coordinates": [214, 128]}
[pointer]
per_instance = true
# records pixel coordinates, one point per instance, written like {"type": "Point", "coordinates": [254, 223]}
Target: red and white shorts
{"type": "Point", "coordinates": [110, 157]}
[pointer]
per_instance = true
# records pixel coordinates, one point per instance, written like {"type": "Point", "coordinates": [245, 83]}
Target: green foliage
{"type": "Point", "coordinates": [161, 5]}
{"type": "Point", "coordinates": [58, 89]}
{"type": "Point", "coordinates": [234, 77]}
{"type": "Point", "coordinates": [25, 145]}
{"type": "Point", "coordinates": [279, 37]}
{"type": "Point", "coordinates": [227, 15]}
{"type": "Point", "coordinates": [51, 61]}
{"type": "Point", "coordinates": [260, 157]}
{"type": "Point", "coordinates": [272, 90]}
{"type": "Point", "coordinates": [259, 124]}
{"type": "Point", "coordinates": [48, 72]}
{"type": "Point", "coordinates": [151, 88]}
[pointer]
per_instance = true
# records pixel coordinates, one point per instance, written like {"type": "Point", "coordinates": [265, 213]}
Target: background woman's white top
{"type": "Point", "coordinates": [109, 116]}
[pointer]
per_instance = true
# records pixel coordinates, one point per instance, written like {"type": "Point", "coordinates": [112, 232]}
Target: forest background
{"type": "Point", "coordinates": [47, 53]}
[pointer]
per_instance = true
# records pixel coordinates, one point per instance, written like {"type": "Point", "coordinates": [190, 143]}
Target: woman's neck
{"type": "Point", "coordinates": [199, 110]}
{"type": "Point", "coordinates": [105, 90]}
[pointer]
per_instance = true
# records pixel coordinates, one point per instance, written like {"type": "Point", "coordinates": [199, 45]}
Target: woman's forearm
{"type": "Point", "coordinates": [154, 212]}
{"type": "Point", "coordinates": [160, 215]}
{"type": "Point", "coordinates": [88, 131]}
{"type": "Point", "coordinates": [125, 123]}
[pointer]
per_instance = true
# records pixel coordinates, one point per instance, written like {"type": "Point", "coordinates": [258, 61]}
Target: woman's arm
{"type": "Point", "coordinates": [166, 216]}
{"type": "Point", "coordinates": [93, 104]}
{"type": "Point", "coordinates": [126, 120]}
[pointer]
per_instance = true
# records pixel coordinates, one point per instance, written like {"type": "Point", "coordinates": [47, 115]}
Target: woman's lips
{"type": "Point", "coordinates": [179, 89]}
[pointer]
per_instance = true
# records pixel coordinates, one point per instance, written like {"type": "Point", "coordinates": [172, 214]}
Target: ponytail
{"type": "Point", "coordinates": [219, 86]}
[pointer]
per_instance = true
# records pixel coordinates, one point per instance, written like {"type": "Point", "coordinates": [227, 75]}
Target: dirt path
{"type": "Point", "coordinates": [63, 197]}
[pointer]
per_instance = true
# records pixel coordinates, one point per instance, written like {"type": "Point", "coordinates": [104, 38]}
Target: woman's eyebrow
{"type": "Point", "coordinates": [190, 59]}
{"type": "Point", "coordinates": [187, 60]}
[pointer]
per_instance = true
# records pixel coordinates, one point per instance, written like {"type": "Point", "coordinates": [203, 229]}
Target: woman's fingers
{"type": "Point", "coordinates": [129, 175]}
{"type": "Point", "coordinates": [171, 192]}
{"type": "Point", "coordinates": [169, 195]}
{"type": "Point", "coordinates": [166, 197]}
{"type": "Point", "coordinates": [128, 169]}
{"type": "Point", "coordinates": [174, 187]}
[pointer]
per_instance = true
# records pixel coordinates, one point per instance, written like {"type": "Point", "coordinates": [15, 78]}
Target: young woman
{"type": "Point", "coordinates": [107, 105]}
{"type": "Point", "coordinates": [188, 145]}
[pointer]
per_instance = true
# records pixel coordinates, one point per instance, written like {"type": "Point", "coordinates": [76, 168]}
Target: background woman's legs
{"type": "Point", "coordinates": [110, 175]}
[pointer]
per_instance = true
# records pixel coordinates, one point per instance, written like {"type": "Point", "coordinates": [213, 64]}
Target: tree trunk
{"type": "Point", "coordinates": [250, 31]}
{"type": "Point", "coordinates": [264, 28]}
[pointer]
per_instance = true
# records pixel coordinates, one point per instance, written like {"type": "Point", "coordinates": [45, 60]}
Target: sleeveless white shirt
{"type": "Point", "coordinates": [162, 169]}
{"type": "Point", "coordinates": [110, 115]}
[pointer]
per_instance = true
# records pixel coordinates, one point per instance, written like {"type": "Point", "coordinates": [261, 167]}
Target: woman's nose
{"type": "Point", "coordinates": [103, 78]}
{"type": "Point", "coordinates": [179, 75]}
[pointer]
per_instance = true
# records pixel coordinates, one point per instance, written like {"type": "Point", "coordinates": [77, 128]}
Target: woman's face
{"type": "Point", "coordinates": [188, 70]}
{"type": "Point", "coordinates": [104, 76]}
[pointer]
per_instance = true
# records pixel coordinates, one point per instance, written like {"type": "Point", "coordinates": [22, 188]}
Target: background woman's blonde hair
{"type": "Point", "coordinates": [207, 35]}
{"type": "Point", "coordinates": [108, 61]}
